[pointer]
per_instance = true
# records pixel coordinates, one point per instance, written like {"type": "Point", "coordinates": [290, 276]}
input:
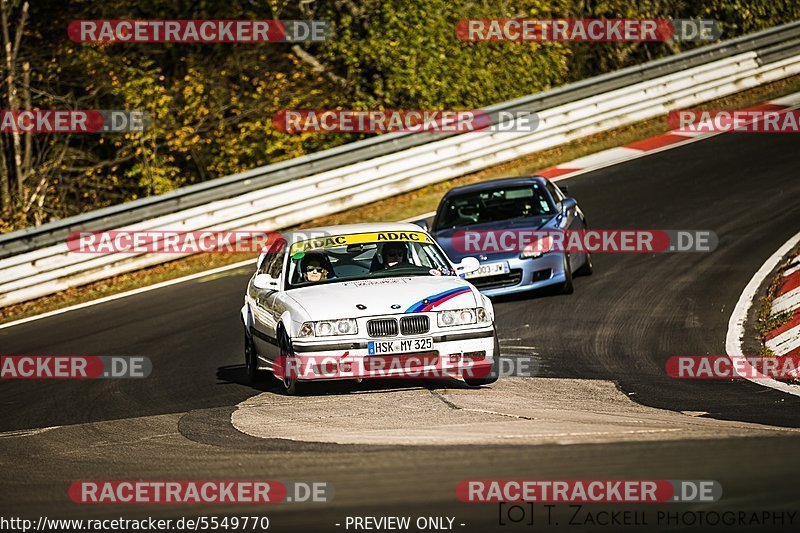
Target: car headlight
{"type": "Point", "coordinates": [537, 248]}
{"type": "Point", "coordinates": [459, 317]}
{"type": "Point", "coordinates": [328, 328]}
{"type": "Point", "coordinates": [482, 315]}
{"type": "Point", "coordinates": [306, 330]}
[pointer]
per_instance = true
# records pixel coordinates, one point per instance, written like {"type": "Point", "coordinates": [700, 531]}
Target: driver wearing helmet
{"type": "Point", "coordinates": [394, 253]}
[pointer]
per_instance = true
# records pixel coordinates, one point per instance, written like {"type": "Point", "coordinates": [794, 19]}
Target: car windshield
{"type": "Point", "coordinates": [360, 256]}
{"type": "Point", "coordinates": [493, 205]}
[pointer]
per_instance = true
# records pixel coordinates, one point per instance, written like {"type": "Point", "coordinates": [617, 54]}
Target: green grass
{"type": "Point", "coordinates": [766, 321]}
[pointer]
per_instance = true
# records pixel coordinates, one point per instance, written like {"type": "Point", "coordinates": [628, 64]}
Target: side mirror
{"type": "Point", "coordinates": [421, 223]}
{"type": "Point", "coordinates": [567, 204]}
{"type": "Point", "coordinates": [265, 282]}
{"type": "Point", "coordinates": [467, 266]}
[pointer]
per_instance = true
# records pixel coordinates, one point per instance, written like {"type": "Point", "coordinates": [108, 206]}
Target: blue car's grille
{"type": "Point", "coordinates": [514, 277]}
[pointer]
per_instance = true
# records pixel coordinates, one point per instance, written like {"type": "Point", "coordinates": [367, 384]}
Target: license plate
{"type": "Point", "coordinates": [489, 269]}
{"type": "Point", "coordinates": [400, 346]}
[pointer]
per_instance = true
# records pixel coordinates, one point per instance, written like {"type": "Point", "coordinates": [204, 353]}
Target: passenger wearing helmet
{"type": "Point", "coordinates": [313, 269]}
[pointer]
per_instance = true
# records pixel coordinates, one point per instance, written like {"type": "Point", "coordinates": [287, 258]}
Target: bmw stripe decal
{"type": "Point", "coordinates": [432, 301]}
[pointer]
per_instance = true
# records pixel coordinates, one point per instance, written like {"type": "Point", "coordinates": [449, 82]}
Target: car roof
{"type": "Point", "coordinates": [495, 184]}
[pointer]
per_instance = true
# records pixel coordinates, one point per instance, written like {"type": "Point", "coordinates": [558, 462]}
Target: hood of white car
{"type": "Point", "coordinates": [384, 296]}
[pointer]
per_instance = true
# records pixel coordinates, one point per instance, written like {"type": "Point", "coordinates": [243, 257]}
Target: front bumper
{"type": "Point", "coordinates": [524, 275]}
{"type": "Point", "coordinates": [454, 354]}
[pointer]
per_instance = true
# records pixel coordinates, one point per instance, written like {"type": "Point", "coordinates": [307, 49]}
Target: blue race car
{"type": "Point", "coordinates": [515, 205]}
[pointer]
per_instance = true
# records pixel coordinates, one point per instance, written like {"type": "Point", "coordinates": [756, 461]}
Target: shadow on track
{"type": "Point", "coordinates": [237, 374]}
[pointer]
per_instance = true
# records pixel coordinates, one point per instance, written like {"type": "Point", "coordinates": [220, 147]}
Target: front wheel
{"type": "Point", "coordinates": [291, 385]}
{"type": "Point", "coordinates": [587, 268]}
{"type": "Point", "coordinates": [494, 373]}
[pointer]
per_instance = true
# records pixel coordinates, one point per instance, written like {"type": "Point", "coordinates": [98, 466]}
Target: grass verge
{"type": "Point", "coordinates": [766, 320]}
{"type": "Point", "coordinates": [402, 206]}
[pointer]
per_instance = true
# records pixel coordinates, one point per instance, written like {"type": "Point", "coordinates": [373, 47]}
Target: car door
{"type": "Point", "coordinates": [572, 221]}
{"type": "Point", "coordinates": [266, 309]}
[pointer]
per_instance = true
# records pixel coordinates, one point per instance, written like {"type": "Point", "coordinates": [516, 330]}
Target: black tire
{"type": "Point", "coordinates": [493, 374]}
{"type": "Point", "coordinates": [291, 385]}
{"type": "Point", "coordinates": [567, 288]}
{"type": "Point", "coordinates": [254, 375]}
{"type": "Point", "coordinates": [587, 268]}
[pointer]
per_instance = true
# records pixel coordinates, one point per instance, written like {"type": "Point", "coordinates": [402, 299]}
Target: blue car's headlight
{"type": "Point", "coordinates": [537, 248]}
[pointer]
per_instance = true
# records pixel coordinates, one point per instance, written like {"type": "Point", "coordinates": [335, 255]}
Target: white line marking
{"type": "Point", "coordinates": [129, 293]}
{"type": "Point", "coordinates": [25, 432]}
{"type": "Point", "coordinates": [510, 346]}
{"type": "Point", "coordinates": [733, 340]}
{"type": "Point", "coordinates": [685, 133]}
{"type": "Point", "coordinates": [599, 158]}
{"type": "Point", "coordinates": [151, 437]}
{"type": "Point", "coordinates": [788, 100]}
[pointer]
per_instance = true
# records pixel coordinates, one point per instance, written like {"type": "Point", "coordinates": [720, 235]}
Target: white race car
{"type": "Point", "coordinates": [366, 301]}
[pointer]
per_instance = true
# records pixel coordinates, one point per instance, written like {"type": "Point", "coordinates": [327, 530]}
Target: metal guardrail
{"type": "Point", "coordinates": [772, 45]}
{"type": "Point", "coordinates": [281, 202]}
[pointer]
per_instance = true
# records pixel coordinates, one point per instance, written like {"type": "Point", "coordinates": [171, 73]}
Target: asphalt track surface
{"type": "Point", "coordinates": [621, 324]}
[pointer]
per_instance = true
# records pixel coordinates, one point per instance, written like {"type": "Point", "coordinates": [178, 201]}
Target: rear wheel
{"type": "Point", "coordinates": [494, 373]}
{"type": "Point", "coordinates": [567, 288]}
{"type": "Point", "coordinates": [251, 359]}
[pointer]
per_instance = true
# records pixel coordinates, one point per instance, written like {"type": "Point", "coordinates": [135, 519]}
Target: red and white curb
{"type": "Point", "coordinates": [736, 329]}
{"type": "Point", "coordinates": [785, 340]}
{"type": "Point", "coordinates": [671, 139]}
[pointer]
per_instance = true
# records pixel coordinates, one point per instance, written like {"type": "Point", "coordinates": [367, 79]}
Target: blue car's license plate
{"type": "Point", "coordinates": [489, 269]}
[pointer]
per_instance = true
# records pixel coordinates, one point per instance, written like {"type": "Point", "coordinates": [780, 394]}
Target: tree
{"type": "Point", "coordinates": [16, 172]}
